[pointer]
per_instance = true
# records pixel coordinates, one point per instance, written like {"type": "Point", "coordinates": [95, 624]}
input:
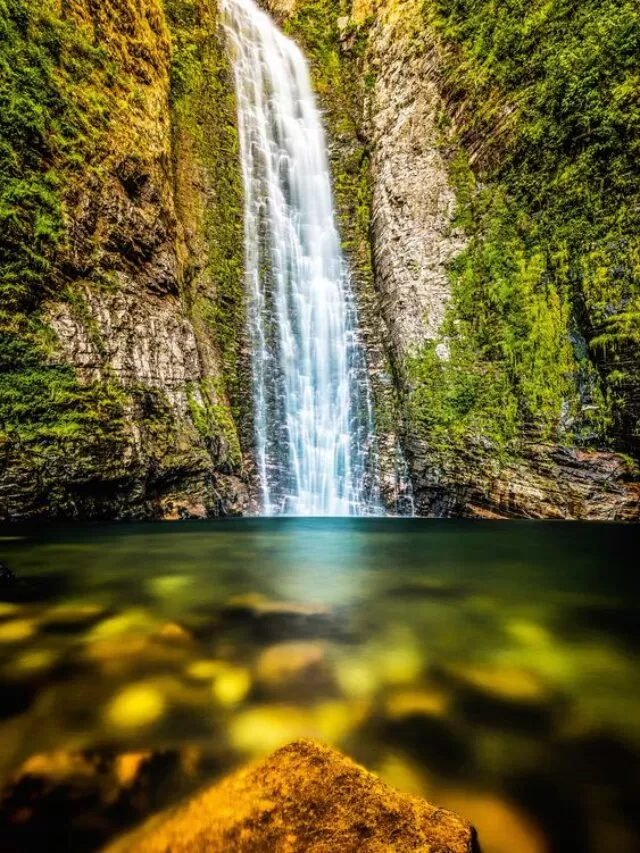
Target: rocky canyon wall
{"type": "Point", "coordinates": [494, 275]}
{"type": "Point", "coordinates": [501, 404]}
{"type": "Point", "coordinates": [121, 352]}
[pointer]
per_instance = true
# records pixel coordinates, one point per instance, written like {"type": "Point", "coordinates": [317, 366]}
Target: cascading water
{"type": "Point", "coordinates": [313, 417]}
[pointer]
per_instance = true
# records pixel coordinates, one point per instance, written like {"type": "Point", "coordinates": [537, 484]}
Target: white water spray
{"type": "Point", "coordinates": [313, 418]}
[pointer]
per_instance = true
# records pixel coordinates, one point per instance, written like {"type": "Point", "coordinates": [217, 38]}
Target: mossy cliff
{"type": "Point", "coordinates": [120, 308]}
{"type": "Point", "coordinates": [499, 172]}
{"type": "Point", "coordinates": [485, 163]}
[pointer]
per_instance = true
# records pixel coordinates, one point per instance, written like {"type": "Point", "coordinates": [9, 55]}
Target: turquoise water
{"type": "Point", "coordinates": [491, 667]}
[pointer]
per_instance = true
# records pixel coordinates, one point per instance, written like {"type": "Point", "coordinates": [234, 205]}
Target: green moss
{"type": "Point", "coordinates": [54, 102]}
{"type": "Point", "coordinates": [204, 112]}
{"type": "Point", "coordinates": [547, 292]}
{"type": "Point", "coordinates": [212, 418]}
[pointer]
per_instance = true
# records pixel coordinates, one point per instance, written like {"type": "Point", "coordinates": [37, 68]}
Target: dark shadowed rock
{"type": "Point", "coordinates": [285, 620]}
{"type": "Point", "coordinates": [303, 797]}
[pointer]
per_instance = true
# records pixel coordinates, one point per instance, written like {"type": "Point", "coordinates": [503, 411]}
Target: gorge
{"type": "Point", "coordinates": [314, 431]}
{"type": "Point", "coordinates": [351, 290]}
{"type": "Point", "coordinates": [487, 223]}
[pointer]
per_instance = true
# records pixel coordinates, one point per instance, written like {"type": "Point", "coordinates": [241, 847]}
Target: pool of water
{"type": "Point", "coordinates": [491, 667]}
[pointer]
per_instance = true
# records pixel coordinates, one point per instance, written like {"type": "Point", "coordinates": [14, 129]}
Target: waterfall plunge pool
{"type": "Point", "coordinates": [491, 667]}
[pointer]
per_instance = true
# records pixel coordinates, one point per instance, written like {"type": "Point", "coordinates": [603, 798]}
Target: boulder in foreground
{"type": "Point", "coordinates": [304, 797]}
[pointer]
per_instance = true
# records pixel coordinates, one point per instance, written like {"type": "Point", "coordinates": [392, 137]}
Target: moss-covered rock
{"type": "Point", "coordinates": [112, 398]}
{"type": "Point", "coordinates": [305, 796]}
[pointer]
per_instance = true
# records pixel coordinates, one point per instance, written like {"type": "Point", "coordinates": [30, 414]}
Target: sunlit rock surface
{"type": "Point", "coordinates": [305, 796]}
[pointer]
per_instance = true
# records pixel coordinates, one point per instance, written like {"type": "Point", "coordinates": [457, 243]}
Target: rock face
{"type": "Point", "coordinates": [547, 482]}
{"type": "Point", "coordinates": [138, 291]}
{"type": "Point", "coordinates": [401, 119]}
{"type": "Point", "coordinates": [303, 797]}
{"type": "Point", "coordinates": [413, 203]}
{"type": "Point", "coordinates": [143, 299]}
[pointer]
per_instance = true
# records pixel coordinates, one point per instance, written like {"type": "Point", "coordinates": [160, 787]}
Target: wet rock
{"type": "Point", "coordinates": [427, 588]}
{"type": "Point", "coordinates": [137, 620]}
{"type": "Point", "coordinates": [502, 695]}
{"type": "Point", "coordinates": [90, 796]}
{"type": "Point", "coordinates": [168, 586]}
{"type": "Point", "coordinates": [528, 633]}
{"type": "Point", "coordinates": [172, 632]}
{"type": "Point", "coordinates": [263, 728]}
{"type": "Point", "coordinates": [305, 796]}
{"type": "Point", "coordinates": [398, 657]}
{"type": "Point", "coordinates": [8, 609]}
{"type": "Point", "coordinates": [33, 661]}
{"type": "Point", "coordinates": [70, 618]}
{"type": "Point", "coordinates": [544, 481]}
{"type": "Point", "coordinates": [137, 706]}
{"type": "Point", "coordinates": [231, 686]}
{"type": "Point", "coordinates": [283, 620]}
{"type": "Point", "coordinates": [503, 683]}
{"type": "Point", "coordinates": [502, 827]}
{"type": "Point", "coordinates": [357, 677]}
{"type": "Point", "coordinates": [427, 701]}
{"type": "Point", "coordinates": [125, 654]}
{"type": "Point", "coordinates": [205, 670]}
{"type": "Point", "coordinates": [17, 630]}
{"type": "Point", "coordinates": [298, 668]}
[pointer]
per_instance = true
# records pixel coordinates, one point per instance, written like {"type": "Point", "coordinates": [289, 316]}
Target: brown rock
{"type": "Point", "coordinates": [287, 667]}
{"type": "Point", "coordinates": [174, 633]}
{"type": "Point", "coordinates": [304, 797]}
{"type": "Point", "coordinates": [502, 826]}
{"type": "Point", "coordinates": [285, 620]}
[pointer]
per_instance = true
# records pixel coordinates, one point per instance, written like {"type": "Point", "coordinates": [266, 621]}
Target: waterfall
{"type": "Point", "coordinates": [314, 433]}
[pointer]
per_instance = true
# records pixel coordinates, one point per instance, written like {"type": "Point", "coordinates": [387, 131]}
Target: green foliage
{"type": "Point", "coordinates": [41, 402]}
{"type": "Point", "coordinates": [204, 111]}
{"type": "Point", "coordinates": [547, 96]}
{"type": "Point", "coordinates": [212, 418]}
{"type": "Point", "coordinates": [52, 107]}
{"type": "Point", "coordinates": [54, 96]}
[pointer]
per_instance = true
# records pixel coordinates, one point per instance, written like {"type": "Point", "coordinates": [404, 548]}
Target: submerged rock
{"type": "Point", "coordinates": [426, 588]}
{"type": "Point", "coordinates": [502, 826]}
{"type": "Point", "coordinates": [263, 728]}
{"type": "Point", "coordinates": [305, 796]}
{"type": "Point", "coordinates": [502, 683]}
{"type": "Point", "coordinates": [17, 630]}
{"type": "Point", "coordinates": [294, 667]}
{"type": "Point", "coordinates": [427, 701]}
{"type": "Point", "coordinates": [284, 620]}
{"type": "Point", "coordinates": [232, 686]}
{"type": "Point", "coordinates": [502, 695]}
{"type": "Point", "coordinates": [137, 706]}
{"type": "Point", "coordinates": [68, 618]}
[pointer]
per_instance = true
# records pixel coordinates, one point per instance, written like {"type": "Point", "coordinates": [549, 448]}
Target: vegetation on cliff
{"type": "Point", "coordinates": [203, 99]}
{"type": "Point", "coordinates": [96, 100]}
{"type": "Point", "coordinates": [56, 88]}
{"type": "Point", "coordinates": [543, 334]}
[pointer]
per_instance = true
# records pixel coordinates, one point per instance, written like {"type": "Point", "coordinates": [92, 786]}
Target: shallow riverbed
{"type": "Point", "coordinates": [491, 667]}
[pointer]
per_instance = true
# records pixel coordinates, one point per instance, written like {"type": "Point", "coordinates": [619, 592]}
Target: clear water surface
{"type": "Point", "coordinates": [491, 667]}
